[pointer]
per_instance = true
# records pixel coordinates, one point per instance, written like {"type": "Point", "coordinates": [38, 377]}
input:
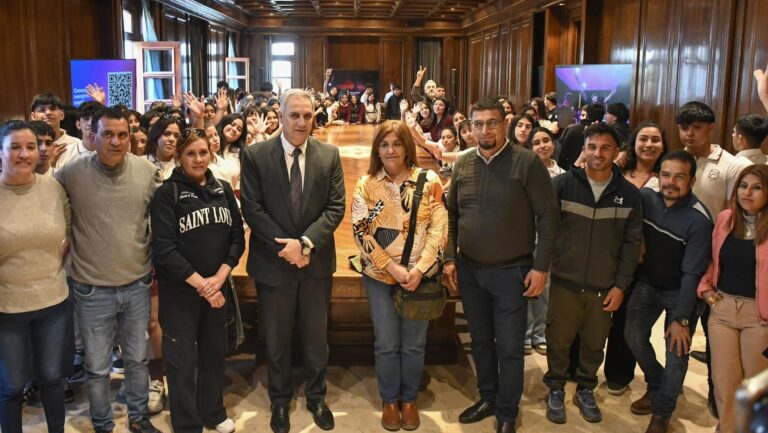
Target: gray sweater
{"type": "Point", "coordinates": [495, 210]}
{"type": "Point", "coordinates": [110, 227]}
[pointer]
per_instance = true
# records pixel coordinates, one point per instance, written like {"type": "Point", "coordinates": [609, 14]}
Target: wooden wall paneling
{"type": "Point", "coordinates": [447, 64]}
{"type": "Point", "coordinates": [504, 67]}
{"type": "Point", "coordinates": [313, 62]}
{"type": "Point", "coordinates": [15, 61]}
{"type": "Point", "coordinates": [491, 62]}
{"type": "Point", "coordinates": [353, 52]}
{"type": "Point", "coordinates": [521, 61]}
{"type": "Point", "coordinates": [392, 66]}
{"type": "Point", "coordinates": [460, 58]}
{"type": "Point", "coordinates": [750, 51]}
{"type": "Point", "coordinates": [474, 67]}
{"type": "Point", "coordinates": [554, 24]}
{"type": "Point", "coordinates": [39, 39]}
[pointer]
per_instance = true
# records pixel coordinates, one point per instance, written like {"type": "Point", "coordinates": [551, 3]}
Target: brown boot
{"type": "Point", "coordinates": [410, 416]}
{"type": "Point", "coordinates": [390, 417]}
{"type": "Point", "coordinates": [658, 424]}
{"type": "Point", "coordinates": [643, 405]}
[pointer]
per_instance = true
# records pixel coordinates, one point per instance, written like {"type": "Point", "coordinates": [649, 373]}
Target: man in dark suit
{"type": "Point", "coordinates": [293, 199]}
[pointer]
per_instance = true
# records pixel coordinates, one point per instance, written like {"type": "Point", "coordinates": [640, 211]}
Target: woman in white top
{"type": "Point", "coordinates": [161, 145]}
{"type": "Point", "coordinates": [232, 138]}
{"type": "Point", "coordinates": [648, 145]}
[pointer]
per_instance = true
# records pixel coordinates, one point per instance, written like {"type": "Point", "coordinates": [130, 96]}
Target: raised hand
{"type": "Point", "coordinates": [762, 85]}
{"type": "Point", "coordinates": [97, 93]}
{"type": "Point", "coordinates": [176, 101]}
{"type": "Point", "coordinates": [420, 74]}
{"type": "Point", "coordinates": [260, 124]}
{"type": "Point", "coordinates": [222, 102]}
{"type": "Point", "coordinates": [196, 107]}
{"type": "Point", "coordinates": [410, 119]}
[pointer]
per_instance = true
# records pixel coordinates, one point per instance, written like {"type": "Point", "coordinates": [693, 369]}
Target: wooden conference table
{"type": "Point", "coordinates": [350, 332]}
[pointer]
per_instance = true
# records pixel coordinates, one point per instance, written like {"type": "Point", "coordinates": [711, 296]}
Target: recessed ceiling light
{"type": "Point", "coordinates": [453, 9]}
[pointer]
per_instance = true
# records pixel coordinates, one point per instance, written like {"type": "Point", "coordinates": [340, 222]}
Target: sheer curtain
{"type": "Point", "coordinates": [154, 91]}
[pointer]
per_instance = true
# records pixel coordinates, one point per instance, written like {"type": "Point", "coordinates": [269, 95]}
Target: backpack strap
{"type": "Point", "coordinates": [406, 256]}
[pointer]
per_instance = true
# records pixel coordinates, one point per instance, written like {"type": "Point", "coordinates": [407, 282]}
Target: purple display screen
{"type": "Point", "coordinates": [577, 85]}
{"type": "Point", "coordinates": [353, 81]}
{"type": "Point", "coordinates": [116, 77]}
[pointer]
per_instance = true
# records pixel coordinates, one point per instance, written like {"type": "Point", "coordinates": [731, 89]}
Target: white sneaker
{"type": "Point", "coordinates": [156, 401]}
{"type": "Point", "coordinates": [226, 426]}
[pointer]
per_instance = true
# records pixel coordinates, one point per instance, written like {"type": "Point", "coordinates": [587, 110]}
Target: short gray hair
{"type": "Point", "coordinates": [294, 93]}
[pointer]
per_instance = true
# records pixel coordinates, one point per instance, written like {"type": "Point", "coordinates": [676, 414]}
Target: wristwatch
{"type": "Point", "coordinates": [305, 249]}
{"type": "Point", "coordinates": [683, 322]}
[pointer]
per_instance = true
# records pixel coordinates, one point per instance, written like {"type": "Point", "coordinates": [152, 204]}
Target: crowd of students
{"type": "Point", "coordinates": [538, 222]}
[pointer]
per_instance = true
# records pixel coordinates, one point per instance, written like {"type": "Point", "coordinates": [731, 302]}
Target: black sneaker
{"type": "Point", "coordinates": [30, 395]}
{"type": "Point", "coordinates": [69, 393]}
{"type": "Point", "coordinates": [142, 426]}
{"type": "Point", "coordinates": [117, 362]}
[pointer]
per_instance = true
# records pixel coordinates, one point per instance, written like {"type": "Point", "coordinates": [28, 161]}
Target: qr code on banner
{"type": "Point", "coordinates": [120, 88]}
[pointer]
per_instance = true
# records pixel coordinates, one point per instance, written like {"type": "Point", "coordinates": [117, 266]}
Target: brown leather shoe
{"type": "Point", "coordinates": [658, 424]}
{"type": "Point", "coordinates": [390, 416]}
{"type": "Point", "coordinates": [643, 405]}
{"type": "Point", "coordinates": [410, 416]}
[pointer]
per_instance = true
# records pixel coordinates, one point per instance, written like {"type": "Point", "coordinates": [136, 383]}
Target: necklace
{"type": "Point", "coordinates": [749, 227]}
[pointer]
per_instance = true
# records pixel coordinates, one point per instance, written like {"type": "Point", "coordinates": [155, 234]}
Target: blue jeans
{"type": "Point", "coordinates": [644, 308]}
{"type": "Point", "coordinates": [100, 312]}
{"type": "Point", "coordinates": [496, 313]}
{"type": "Point", "coordinates": [38, 333]}
{"type": "Point", "coordinates": [537, 318]}
{"type": "Point", "coordinates": [399, 345]}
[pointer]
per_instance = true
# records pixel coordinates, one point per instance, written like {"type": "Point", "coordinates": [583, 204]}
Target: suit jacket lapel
{"type": "Point", "coordinates": [278, 158]}
{"type": "Point", "coordinates": [309, 174]}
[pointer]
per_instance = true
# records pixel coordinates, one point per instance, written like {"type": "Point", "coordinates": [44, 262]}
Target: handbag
{"type": "Point", "coordinates": [428, 300]}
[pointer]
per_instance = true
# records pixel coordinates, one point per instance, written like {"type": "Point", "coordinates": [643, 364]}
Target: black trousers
{"type": "Point", "coordinates": [620, 363]}
{"type": "Point", "coordinates": [303, 303]}
{"type": "Point", "coordinates": [194, 346]}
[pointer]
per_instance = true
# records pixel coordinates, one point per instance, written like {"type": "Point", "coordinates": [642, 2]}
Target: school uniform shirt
{"type": "Point", "coordinates": [74, 150]}
{"type": "Point", "coordinates": [754, 156]}
{"type": "Point", "coordinates": [715, 178]}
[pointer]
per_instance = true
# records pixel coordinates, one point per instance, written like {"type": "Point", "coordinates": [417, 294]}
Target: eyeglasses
{"type": "Point", "coordinates": [493, 123]}
{"type": "Point", "coordinates": [189, 131]}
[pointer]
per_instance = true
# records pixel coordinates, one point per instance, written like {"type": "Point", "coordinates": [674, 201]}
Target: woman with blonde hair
{"type": "Point", "coordinates": [736, 288]}
{"type": "Point", "coordinates": [381, 215]}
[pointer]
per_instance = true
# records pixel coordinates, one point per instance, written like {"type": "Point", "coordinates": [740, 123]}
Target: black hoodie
{"type": "Point", "coordinates": [195, 227]}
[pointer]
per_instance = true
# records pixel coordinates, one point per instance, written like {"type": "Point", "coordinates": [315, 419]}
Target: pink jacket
{"type": "Point", "coordinates": [723, 227]}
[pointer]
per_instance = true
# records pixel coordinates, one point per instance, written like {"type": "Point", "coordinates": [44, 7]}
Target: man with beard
{"type": "Point", "coordinates": [500, 198]}
{"type": "Point", "coordinates": [677, 231]}
{"type": "Point", "coordinates": [595, 257]}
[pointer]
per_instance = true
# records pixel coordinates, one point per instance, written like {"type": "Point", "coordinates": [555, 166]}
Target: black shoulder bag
{"type": "Point", "coordinates": [428, 300]}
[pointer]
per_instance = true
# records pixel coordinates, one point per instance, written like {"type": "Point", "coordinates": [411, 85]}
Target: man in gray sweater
{"type": "Point", "coordinates": [500, 198]}
{"type": "Point", "coordinates": [109, 192]}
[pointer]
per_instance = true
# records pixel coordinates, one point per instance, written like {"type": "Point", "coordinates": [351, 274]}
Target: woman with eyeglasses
{"type": "Point", "coordinates": [161, 145]}
{"type": "Point", "coordinates": [193, 208]}
{"type": "Point", "coordinates": [736, 288]}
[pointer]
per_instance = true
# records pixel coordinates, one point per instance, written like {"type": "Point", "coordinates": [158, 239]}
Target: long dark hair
{"type": "Point", "coordinates": [632, 155]}
{"type": "Point", "coordinates": [513, 125]}
{"type": "Point", "coordinates": [157, 131]}
{"type": "Point", "coordinates": [237, 144]}
{"type": "Point", "coordinates": [737, 212]}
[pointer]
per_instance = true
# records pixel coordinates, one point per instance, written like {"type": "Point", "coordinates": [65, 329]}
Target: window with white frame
{"type": "Point", "coordinates": [282, 64]}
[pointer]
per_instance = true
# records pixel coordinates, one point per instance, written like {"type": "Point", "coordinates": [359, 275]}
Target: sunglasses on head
{"type": "Point", "coordinates": [189, 131]}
